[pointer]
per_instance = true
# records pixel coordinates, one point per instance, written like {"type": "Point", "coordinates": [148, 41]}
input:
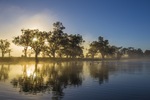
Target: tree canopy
{"type": "Point", "coordinates": [57, 43]}
{"type": "Point", "coordinates": [4, 46]}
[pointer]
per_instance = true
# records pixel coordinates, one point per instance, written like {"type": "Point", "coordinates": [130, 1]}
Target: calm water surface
{"type": "Point", "coordinates": [111, 80]}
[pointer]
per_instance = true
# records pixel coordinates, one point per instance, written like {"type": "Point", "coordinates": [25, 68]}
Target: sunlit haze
{"type": "Point", "coordinates": [123, 22]}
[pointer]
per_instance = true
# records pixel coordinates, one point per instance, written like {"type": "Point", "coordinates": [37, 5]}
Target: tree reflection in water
{"type": "Point", "coordinates": [51, 78]}
{"type": "Point", "coordinates": [4, 70]}
{"type": "Point", "coordinates": [99, 71]}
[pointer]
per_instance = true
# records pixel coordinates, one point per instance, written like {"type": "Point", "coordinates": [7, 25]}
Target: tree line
{"type": "Point", "coordinates": [57, 43]}
{"type": "Point", "coordinates": [102, 46]}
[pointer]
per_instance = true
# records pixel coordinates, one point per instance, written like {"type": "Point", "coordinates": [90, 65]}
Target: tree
{"type": "Point", "coordinates": [24, 40]}
{"type": "Point", "coordinates": [124, 50]}
{"type": "Point", "coordinates": [147, 53]}
{"type": "Point", "coordinates": [38, 42]}
{"type": "Point", "coordinates": [4, 46]}
{"type": "Point", "coordinates": [62, 44]}
{"type": "Point", "coordinates": [92, 51]}
{"type": "Point", "coordinates": [132, 52]}
{"type": "Point", "coordinates": [115, 51]}
{"type": "Point", "coordinates": [9, 51]}
{"type": "Point", "coordinates": [103, 46]}
{"type": "Point", "coordinates": [31, 38]}
{"type": "Point", "coordinates": [74, 47]}
{"type": "Point", "coordinates": [55, 39]}
{"type": "Point", "coordinates": [139, 52]}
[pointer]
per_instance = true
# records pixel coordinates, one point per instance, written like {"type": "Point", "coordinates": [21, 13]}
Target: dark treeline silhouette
{"type": "Point", "coordinates": [4, 47]}
{"type": "Point", "coordinates": [51, 43]}
{"type": "Point", "coordinates": [58, 44]}
{"type": "Point", "coordinates": [106, 50]}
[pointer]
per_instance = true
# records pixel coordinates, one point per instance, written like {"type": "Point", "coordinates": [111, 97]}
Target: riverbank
{"type": "Point", "coordinates": [46, 59]}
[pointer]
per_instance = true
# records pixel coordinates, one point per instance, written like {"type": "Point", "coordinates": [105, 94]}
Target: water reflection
{"type": "Point", "coordinates": [4, 70]}
{"type": "Point", "coordinates": [51, 78]}
{"type": "Point", "coordinates": [54, 78]}
{"type": "Point", "coordinates": [99, 71]}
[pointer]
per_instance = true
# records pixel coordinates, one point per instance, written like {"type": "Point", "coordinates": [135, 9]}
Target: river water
{"type": "Point", "coordinates": [109, 80]}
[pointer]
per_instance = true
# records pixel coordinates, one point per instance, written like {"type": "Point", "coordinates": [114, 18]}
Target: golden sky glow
{"type": "Point", "coordinates": [24, 20]}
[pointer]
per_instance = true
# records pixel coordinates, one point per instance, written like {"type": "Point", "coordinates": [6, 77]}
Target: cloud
{"type": "Point", "coordinates": [13, 19]}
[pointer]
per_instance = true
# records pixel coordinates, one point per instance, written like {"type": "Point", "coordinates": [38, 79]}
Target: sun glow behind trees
{"type": "Point", "coordinates": [23, 19]}
{"type": "Point", "coordinates": [58, 44]}
{"type": "Point", "coordinates": [51, 43]}
{"type": "Point", "coordinates": [20, 18]}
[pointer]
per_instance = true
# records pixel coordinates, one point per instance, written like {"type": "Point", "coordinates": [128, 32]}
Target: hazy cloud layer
{"type": "Point", "coordinates": [13, 19]}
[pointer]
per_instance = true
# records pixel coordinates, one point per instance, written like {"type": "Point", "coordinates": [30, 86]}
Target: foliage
{"type": "Point", "coordinates": [55, 39]}
{"type": "Point", "coordinates": [4, 47]}
{"type": "Point", "coordinates": [24, 40]}
{"type": "Point", "coordinates": [56, 43]}
{"type": "Point", "coordinates": [132, 52]}
{"type": "Point", "coordinates": [61, 43]}
{"type": "Point", "coordinates": [38, 41]}
{"type": "Point", "coordinates": [147, 53]}
{"type": "Point", "coordinates": [101, 46]}
{"type": "Point", "coordinates": [74, 47]}
{"type": "Point", "coordinates": [92, 51]}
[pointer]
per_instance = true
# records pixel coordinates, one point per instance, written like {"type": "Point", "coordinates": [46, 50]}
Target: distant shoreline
{"type": "Point", "coordinates": [46, 59]}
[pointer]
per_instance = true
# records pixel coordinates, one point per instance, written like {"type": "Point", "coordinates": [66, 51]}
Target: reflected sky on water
{"type": "Point", "coordinates": [123, 80]}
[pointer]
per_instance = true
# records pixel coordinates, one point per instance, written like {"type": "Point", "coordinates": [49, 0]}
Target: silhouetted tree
{"type": "Point", "coordinates": [61, 43]}
{"type": "Point", "coordinates": [24, 40]}
{"type": "Point", "coordinates": [139, 52]}
{"type": "Point", "coordinates": [115, 51]}
{"type": "Point", "coordinates": [103, 46]}
{"type": "Point", "coordinates": [124, 50]}
{"type": "Point", "coordinates": [55, 39]}
{"type": "Point", "coordinates": [132, 52]}
{"type": "Point", "coordinates": [9, 52]}
{"type": "Point", "coordinates": [4, 47]}
{"type": "Point", "coordinates": [147, 53]}
{"type": "Point", "coordinates": [92, 51]}
{"type": "Point", "coordinates": [38, 42]}
{"type": "Point", "coordinates": [73, 47]}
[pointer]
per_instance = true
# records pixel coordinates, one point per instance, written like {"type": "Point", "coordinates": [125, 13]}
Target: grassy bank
{"type": "Point", "coordinates": [46, 59]}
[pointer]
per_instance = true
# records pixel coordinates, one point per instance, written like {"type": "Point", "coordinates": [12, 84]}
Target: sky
{"type": "Point", "coordinates": [123, 22]}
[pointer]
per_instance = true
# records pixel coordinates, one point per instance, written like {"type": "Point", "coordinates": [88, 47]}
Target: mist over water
{"type": "Point", "coordinates": [123, 80]}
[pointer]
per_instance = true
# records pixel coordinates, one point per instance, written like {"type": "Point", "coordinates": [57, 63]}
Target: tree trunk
{"type": "Point", "coordinates": [25, 69]}
{"type": "Point", "coordinates": [9, 54]}
{"type": "Point", "coordinates": [92, 56]}
{"type": "Point", "coordinates": [60, 55]}
{"type": "Point", "coordinates": [25, 52]}
{"type": "Point", "coordinates": [53, 53]}
{"type": "Point", "coordinates": [103, 56]}
{"type": "Point", "coordinates": [43, 55]}
{"type": "Point", "coordinates": [2, 54]}
{"type": "Point", "coordinates": [36, 57]}
{"type": "Point", "coordinates": [67, 56]}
